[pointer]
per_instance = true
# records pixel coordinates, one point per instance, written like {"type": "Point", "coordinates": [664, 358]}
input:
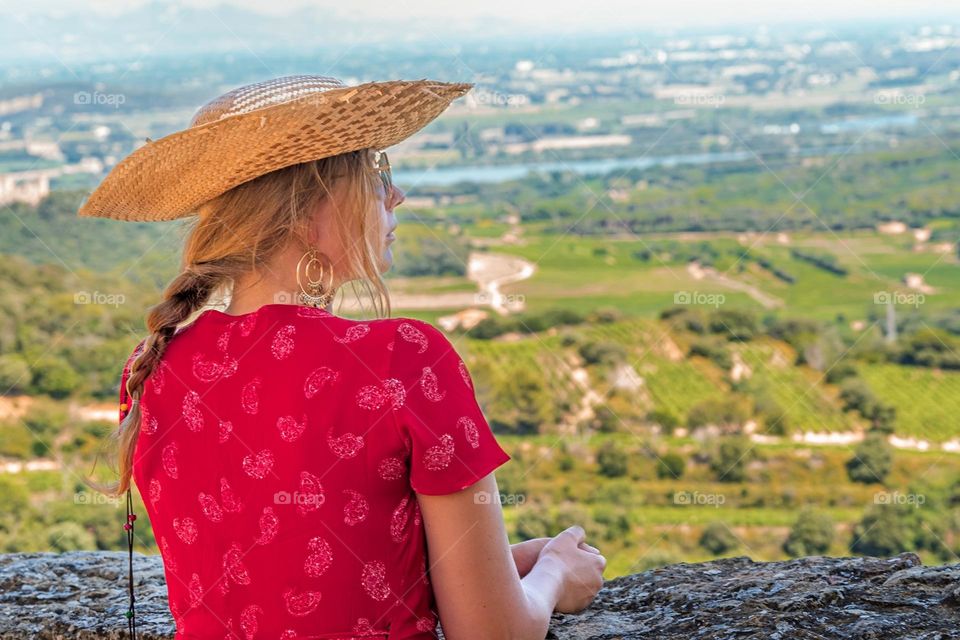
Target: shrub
{"type": "Point", "coordinates": [605, 420]}
{"type": "Point", "coordinates": [775, 418]}
{"type": "Point", "coordinates": [69, 536]}
{"type": "Point", "coordinates": [605, 315]}
{"type": "Point", "coordinates": [607, 352]}
{"type": "Point", "coordinates": [883, 531]}
{"type": "Point", "coordinates": [665, 418]}
{"type": "Point", "coordinates": [872, 460]}
{"type": "Point", "coordinates": [533, 521]}
{"type": "Point", "coordinates": [841, 371]}
{"type": "Point", "coordinates": [714, 350]}
{"type": "Point", "coordinates": [734, 324]}
{"type": "Point", "coordinates": [725, 412]}
{"type": "Point", "coordinates": [718, 539]}
{"type": "Point", "coordinates": [612, 460]}
{"type": "Point", "coordinates": [729, 458]}
{"type": "Point", "coordinates": [811, 534]}
{"type": "Point", "coordinates": [54, 377]}
{"type": "Point", "coordinates": [614, 522]}
{"type": "Point", "coordinates": [14, 374]}
{"type": "Point", "coordinates": [671, 466]}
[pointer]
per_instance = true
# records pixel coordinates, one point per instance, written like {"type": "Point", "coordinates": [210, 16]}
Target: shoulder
{"type": "Point", "coordinates": [419, 335]}
{"type": "Point", "coordinates": [408, 339]}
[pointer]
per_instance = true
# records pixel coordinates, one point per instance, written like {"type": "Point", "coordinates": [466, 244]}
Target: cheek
{"type": "Point", "coordinates": [382, 213]}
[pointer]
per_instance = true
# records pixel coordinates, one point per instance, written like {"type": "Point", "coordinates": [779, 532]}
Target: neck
{"type": "Point", "coordinates": [274, 284]}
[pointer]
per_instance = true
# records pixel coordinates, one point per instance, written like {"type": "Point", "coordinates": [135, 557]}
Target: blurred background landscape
{"type": "Point", "coordinates": [703, 266]}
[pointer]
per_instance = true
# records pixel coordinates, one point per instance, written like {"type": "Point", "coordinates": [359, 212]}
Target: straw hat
{"type": "Point", "coordinates": [258, 128]}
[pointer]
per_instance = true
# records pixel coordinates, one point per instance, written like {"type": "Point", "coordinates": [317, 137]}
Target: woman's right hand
{"type": "Point", "coordinates": [581, 567]}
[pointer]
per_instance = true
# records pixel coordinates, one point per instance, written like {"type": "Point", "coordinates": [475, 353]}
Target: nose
{"type": "Point", "coordinates": [397, 197]}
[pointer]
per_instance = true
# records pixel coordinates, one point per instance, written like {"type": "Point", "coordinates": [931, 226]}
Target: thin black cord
{"type": "Point", "coordinates": [128, 526]}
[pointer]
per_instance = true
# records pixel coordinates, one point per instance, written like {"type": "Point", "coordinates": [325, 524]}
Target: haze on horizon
{"type": "Point", "coordinates": [546, 16]}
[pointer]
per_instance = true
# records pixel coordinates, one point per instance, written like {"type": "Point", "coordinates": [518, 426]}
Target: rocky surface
{"type": "Point", "coordinates": [83, 595]}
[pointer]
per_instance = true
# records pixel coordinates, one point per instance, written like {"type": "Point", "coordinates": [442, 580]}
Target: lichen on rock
{"type": "Point", "coordinates": [83, 594]}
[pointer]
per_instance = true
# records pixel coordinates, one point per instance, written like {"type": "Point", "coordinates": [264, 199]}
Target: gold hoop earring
{"type": "Point", "coordinates": [313, 294]}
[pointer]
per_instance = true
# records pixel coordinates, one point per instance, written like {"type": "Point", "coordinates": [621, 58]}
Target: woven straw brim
{"type": "Point", "coordinates": [170, 177]}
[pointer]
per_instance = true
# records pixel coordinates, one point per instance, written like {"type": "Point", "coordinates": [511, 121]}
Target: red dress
{"type": "Point", "coordinates": [278, 460]}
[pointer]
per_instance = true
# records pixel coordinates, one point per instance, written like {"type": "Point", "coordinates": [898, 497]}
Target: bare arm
{"type": "Point", "coordinates": [474, 572]}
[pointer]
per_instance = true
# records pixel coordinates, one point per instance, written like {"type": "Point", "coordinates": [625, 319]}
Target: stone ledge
{"type": "Point", "coordinates": [82, 595]}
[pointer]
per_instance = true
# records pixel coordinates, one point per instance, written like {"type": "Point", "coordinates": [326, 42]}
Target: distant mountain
{"type": "Point", "coordinates": [159, 28]}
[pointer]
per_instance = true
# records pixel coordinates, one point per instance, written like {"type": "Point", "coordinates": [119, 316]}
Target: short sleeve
{"type": "Point", "coordinates": [450, 443]}
{"type": "Point", "coordinates": [124, 396]}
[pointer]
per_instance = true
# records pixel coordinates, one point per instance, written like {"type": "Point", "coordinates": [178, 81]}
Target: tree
{"type": "Point", "coordinates": [14, 374]}
{"type": "Point", "coordinates": [523, 401]}
{"type": "Point", "coordinates": [872, 460]}
{"type": "Point", "coordinates": [729, 412]}
{"type": "Point", "coordinates": [775, 419]}
{"type": "Point", "coordinates": [729, 458]}
{"type": "Point", "coordinates": [665, 418]}
{"type": "Point", "coordinates": [735, 324]}
{"type": "Point", "coordinates": [602, 352]}
{"type": "Point", "coordinates": [69, 536]}
{"type": "Point", "coordinates": [54, 376]}
{"type": "Point", "coordinates": [811, 534]}
{"type": "Point", "coordinates": [605, 420]}
{"type": "Point", "coordinates": [533, 521]}
{"type": "Point", "coordinates": [670, 466]}
{"type": "Point", "coordinates": [718, 539]}
{"type": "Point", "coordinates": [883, 531]}
{"type": "Point", "coordinates": [612, 460]}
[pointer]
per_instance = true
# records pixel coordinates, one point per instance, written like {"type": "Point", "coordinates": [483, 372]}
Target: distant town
{"type": "Point", "coordinates": [760, 91]}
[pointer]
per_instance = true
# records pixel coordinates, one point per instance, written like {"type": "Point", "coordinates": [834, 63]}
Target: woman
{"type": "Point", "coordinates": [308, 475]}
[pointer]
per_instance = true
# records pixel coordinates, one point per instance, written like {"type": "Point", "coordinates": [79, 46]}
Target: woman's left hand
{"type": "Point", "coordinates": [525, 553]}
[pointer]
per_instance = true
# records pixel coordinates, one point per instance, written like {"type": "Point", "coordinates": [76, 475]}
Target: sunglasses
{"type": "Point", "coordinates": [381, 164]}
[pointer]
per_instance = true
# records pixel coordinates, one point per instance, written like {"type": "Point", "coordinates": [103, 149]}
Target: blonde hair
{"type": "Point", "coordinates": [241, 230]}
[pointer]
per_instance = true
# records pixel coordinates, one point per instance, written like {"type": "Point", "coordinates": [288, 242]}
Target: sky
{"type": "Point", "coordinates": [568, 14]}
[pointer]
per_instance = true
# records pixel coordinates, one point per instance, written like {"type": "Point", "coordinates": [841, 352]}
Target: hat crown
{"type": "Point", "coordinates": [263, 94]}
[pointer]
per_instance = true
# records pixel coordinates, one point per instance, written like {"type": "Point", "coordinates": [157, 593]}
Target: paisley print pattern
{"type": "Point", "coordinates": [155, 488]}
{"type": "Point", "coordinates": [290, 428]}
{"type": "Point", "coordinates": [374, 580]}
{"type": "Point", "coordinates": [231, 502]}
{"type": "Point", "coordinates": [169, 459]}
{"type": "Point", "coordinates": [253, 423]}
{"type": "Point", "coordinates": [319, 557]}
{"type": "Point", "coordinates": [373, 396]}
{"type": "Point", "coordinates": [470, 431]}
{"type": "Point", "coordinates": [353, 334]}
{"type": "Point", "coordinates": [391, 468]}
{"type": "Point", "coordinates": [269, 526]}
{"type": "Point", "coordinates": [412, 334]}
{"type": "Point", "coordinates": [249, 623]}
{"type": "Point", "coordinates": [233, 566]}
{"type": "Point", "coordinates": [438, 456]}
{"type": "Point", "coordinates": [430, 386]}
{"type": "Point", "coordinates": [318, 379]}
{"type": "Point", "coordinates": [210, 508]}
{"type": "Point", "coordinates": [301, 604]}
{"type": "Point", "coordinates": [191, 411]}
{"type": "Point", "coordinates": [223, 434]}
{"type": "Point", "coordinates": [344, 446]}
{"type": "Point", "coordinates": [258, 465]}
{"type": "Point", "coordinates": [250, 396]}
{"type": "Point", "coordinates": [311, 495]}
{"type": "Point", "coordinates": [283, 342]}
{"type": "Point", "coordinates": [356, 509]}
{"type": "Point", "coordinates": [186, 529]}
